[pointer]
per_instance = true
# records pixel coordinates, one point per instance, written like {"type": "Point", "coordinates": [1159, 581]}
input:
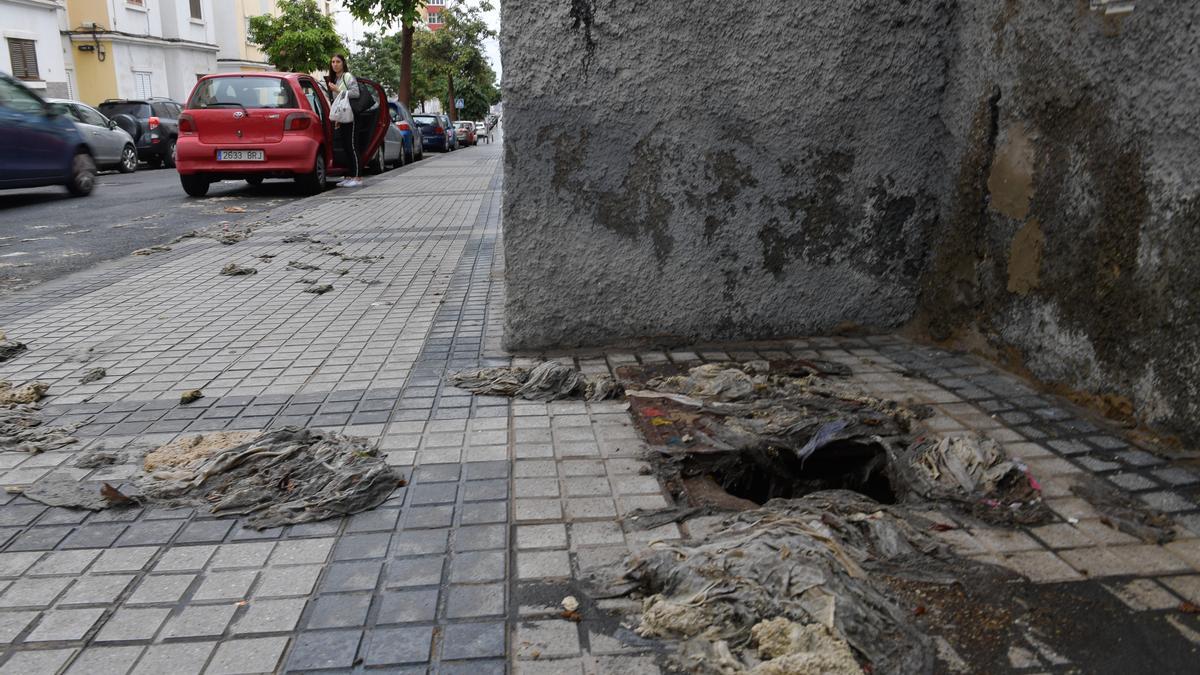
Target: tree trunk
{"type": "Point", "coordinates": [453, 110]}
{"type": "Point", "coordinates": [406, 51]}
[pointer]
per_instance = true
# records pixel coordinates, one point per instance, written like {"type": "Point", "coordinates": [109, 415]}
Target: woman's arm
{"type": "Point", "coordinates": [352, 86]}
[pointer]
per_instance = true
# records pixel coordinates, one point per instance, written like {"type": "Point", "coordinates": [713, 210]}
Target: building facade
{"type": "Point", "coordinates": [431, 14]}
{"type": "Point", "coordinates": [236, 53]}
{"type": "Point", "coordinates": [140, 48]}
{"type": "Point", "coordinates": [33, 47]}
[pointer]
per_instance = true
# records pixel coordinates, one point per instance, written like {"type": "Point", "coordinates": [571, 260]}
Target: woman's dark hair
{"type": "Point", "coordinates": [345, 64]}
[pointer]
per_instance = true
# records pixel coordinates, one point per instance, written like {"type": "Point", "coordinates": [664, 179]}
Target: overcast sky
{"type": "Point", "coordinates": [353, 31]}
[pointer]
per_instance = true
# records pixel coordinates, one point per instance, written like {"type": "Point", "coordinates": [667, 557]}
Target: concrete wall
{"type": "Point", "coordinates": [1023, 174]}
{"type": "Point", "coordinates": [684, 172]}
{"type": "Point", "coordinates": [1071, 237]}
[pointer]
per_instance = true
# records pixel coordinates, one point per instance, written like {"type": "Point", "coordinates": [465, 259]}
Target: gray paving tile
{"type": "Point", "coordinates": [199, 621]}
{"type": "Point", "coordinates": [177, 658]}
{"type": "Point", "coordinates": [339, 610]}
{"type": "Point", "coordinates": [128, 624]}
{"type": "Point", "coordinates": [247, 655]}
{"type": "Point", "coordinates": [60, 625]}
{"type": "Point", "coordinates": [325, 649]}
{"type": "Point", "coordinates": [408, 606]}
{"type": "Point", "coordinates": [473, 640]}
{"type": "Point", "coordinates": [388, 646]}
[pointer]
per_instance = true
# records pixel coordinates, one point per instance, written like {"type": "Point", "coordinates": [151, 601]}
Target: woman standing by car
{"type": "Point", "coordinates": [340, 80]}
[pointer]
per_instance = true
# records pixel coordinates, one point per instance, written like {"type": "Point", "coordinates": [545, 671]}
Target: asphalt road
{"type": "Point", "coordinates": [45, 234]}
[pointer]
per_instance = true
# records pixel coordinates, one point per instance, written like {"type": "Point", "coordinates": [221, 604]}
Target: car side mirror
{"type": "Point", "coordinates": [112, 124]}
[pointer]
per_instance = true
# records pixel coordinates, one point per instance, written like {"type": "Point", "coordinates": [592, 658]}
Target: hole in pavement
{"type": "Point", "coordinates": [761, 477]}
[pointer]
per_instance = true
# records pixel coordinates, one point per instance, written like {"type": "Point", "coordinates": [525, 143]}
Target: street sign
{"type": "Point", "coordinates": [459, 103]}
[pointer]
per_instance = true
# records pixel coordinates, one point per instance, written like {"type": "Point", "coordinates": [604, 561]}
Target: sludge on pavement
{"type": "Point", "coordinates": [279, 477]}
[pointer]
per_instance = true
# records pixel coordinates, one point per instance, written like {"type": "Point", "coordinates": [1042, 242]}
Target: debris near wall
{"type": "Point", "coordinates": [276, 478]}
{"type": "Point", "coordinates": [548, 381]}
{"type": "Point", "coordinates": [151, 250]}
{"type": "Point", "coordinates": [792, 585]}
{"type": "Point", "coordinates": [1122, 512]}
{"type": "Point", "coordinates": [761, 431]}
{"type": "Point", "coordinates": [236, 270]}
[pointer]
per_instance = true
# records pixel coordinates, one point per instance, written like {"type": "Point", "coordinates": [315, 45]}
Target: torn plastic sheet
{"type": "Point", "coordinates": [22, 430]}
{"type": "Point", "coordinates": [280, 477]}
{"type": "Point", "coordinates": [816, 560]}
{"type": "Point", "coordinates": [548, 381]}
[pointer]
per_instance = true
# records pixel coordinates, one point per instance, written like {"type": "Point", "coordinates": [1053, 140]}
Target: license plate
{"type": "Point", "coordinates": [240, 156]}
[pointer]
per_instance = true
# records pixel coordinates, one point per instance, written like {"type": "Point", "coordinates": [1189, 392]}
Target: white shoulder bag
{"type": "Point", "coordinates": [341, 110]}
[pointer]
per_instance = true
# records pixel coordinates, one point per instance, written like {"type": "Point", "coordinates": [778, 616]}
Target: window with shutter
{"type": "Point", "coordinates": [23, 54]}
{"type": "Point", "coordinates": [196, 10]}
{"type": "Point", "coordinates": [141, 85]}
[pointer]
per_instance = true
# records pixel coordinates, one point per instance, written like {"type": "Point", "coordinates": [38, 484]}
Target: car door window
{"type": "Point", "coordinates": [89, 116]}
{"type": "Point", "coordinates": [65, 110]}
{"type": "Point", "coordinates": [309, 88]}
{"type": "Point", "coordinates": [15, 97]}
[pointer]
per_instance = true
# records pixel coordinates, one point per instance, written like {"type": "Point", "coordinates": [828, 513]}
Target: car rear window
{"type": "Point", "coordinates": [426, 120]}
{"type": "Point", "coordinates": [249, 92]}
{"type": "Point", "coordinates": [135, 110]}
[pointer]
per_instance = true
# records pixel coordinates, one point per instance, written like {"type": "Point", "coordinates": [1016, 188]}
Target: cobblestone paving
{"type": "Point", "coordinates": [509, 503]}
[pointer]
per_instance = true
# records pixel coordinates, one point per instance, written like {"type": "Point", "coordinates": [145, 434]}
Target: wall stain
{"type": "Point", "coordinates": [637, 208]}
{"type": "Point", "coordinates": [583, 15]}
{"type": "Point", "coordinates": [1010, 183]}
{"type": "Point", "coordinates": [1025, 258]}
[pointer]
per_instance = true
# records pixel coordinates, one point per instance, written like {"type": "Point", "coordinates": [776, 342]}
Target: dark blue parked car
{"type": "Point", "coordinates": [436, 131]}
{"type": "Point", "coordinates": [39, 146]}
{"type": "Point", "coordinates": [414, 147]}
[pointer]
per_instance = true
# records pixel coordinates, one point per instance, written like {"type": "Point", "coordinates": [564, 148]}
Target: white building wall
{"type": "Point", "coordinates": [36, 20]}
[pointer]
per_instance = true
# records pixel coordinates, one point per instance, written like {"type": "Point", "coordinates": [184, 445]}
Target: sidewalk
{"type": "Point", "coordinates": [508, 502]}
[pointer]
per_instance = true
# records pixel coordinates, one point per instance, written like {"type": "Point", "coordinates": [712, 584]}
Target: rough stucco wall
{"type": "Point", "coordinates": [675, 173]}
{"type": "Point", "coordinates": [1021, 170]}
{"type": "Point", "coordinates": [1071, 233]}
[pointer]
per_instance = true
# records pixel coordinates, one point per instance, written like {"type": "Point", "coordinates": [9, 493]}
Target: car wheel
{"type": "Point", "coordinates": [169, 155]}
{"type": "Point", "coordinates": [378, 165]}
{"type": "Point", "coordinates": [316, 181]}
{"type": "Point", "coordinates": [128, 160]}
{"type": "Point", "coordinates": [256, 181]}
{"type": "Point", "coordinates": [407, 156]}
{"type": "Point", "coordinates": [82, 180]}
{"type": "Point", "coordinates": [196, 185]}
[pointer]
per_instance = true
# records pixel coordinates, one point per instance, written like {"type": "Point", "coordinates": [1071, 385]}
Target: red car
{"type": "Point", "coordinates": [252, 126]}
{"type": "Point", "coordinates": [465, 131]}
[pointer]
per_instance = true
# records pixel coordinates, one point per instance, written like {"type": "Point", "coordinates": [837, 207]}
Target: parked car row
{"type": "Point", "coordinates": [243, 126]}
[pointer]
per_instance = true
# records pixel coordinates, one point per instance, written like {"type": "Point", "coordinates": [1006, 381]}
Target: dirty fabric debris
{"type": "Point", "coordinates": [810, 568]}
{"type": "Point", "coordinates": [10, 348]}
{"type": "Point", "coordinates": [236, 270]}
{"type": "Point", "coordinates": [761, 432]}
{"type": "Point", "coordinates": [22, 430]}
{"type": "Point", "coordinates": [93, 375]}
{"type": "Point", "coordinates": [1122, 512]}
{"type": "Point", "coordinates": [280, 477]}
{"type": "Point", "coordinates": [972, 470]}
{"type": "Point", "coordinates": [548, 381]}
{"type": "Point", "coordinates": [30, 392]}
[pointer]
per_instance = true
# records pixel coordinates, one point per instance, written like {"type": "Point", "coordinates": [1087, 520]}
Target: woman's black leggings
{"type": "Point", "coordinates": [345, 133]}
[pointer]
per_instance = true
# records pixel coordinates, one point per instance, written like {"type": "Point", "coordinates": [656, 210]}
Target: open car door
{"type": "Point", "coordinates": [382, 118]}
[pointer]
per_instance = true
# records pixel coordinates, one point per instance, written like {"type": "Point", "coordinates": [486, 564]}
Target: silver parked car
{"type": "Point", "coordinates": [111, 146]}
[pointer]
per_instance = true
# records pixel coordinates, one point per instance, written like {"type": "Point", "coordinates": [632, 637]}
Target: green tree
{"type": "Point", "coordinates": [390, 12]}
{"type": "Point", "coordinates": [378, 58]}
{"type": "Point", "coordinates": [300, 40]}
{"type": "Point", "coordinates": [456, 53]}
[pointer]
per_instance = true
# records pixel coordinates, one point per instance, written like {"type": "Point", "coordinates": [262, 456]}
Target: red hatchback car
{"type": "Point", "coordinates": [253, 126]}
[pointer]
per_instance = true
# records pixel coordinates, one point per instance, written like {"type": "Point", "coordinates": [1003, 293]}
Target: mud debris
{"type": "Point", "coordinates": [10, 348]}
{"type": "Point", "coordinates": [183, 451]}
{"type": "Point", "coordinates": [297, 265]}
{"type": "Point", "coordinates": [22, 430]}
{"type": "Point", "coordinates": [30, 392]}
{"type": "Point", "coordinates": [300, 238]}
{"type": "Point", "coordinates": [236, 270]}
{"type": "Point", "coordinates": [266, 257]}
{"type": "Point", "coordinates": [319, 289]}
{"type": "Point", "coordinates": [151, 250]}
{"type": "Point", "coordinates": [548, 381]}
{"type": "Point", "coordinates": [93, 375]}
{"type": "Point", "coordinates": [190, 396]}
{"type": "Point", "coordinates": [1124, 513]}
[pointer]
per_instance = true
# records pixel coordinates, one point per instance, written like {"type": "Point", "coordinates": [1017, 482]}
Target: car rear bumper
{"type": "Point", "coordinates": [288, 157]}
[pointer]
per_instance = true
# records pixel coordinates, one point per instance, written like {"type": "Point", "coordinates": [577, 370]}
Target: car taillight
{"type": "Point", "coordinates": [439, 130]}
{"type": "Point", "coordinates": [297, 122]}
{"type": "Point", "coordinates": [153, 122]}
{"type": "Point", "coordinates": [187, 125]}
{"type": "Point", "coordinates": [402, 126]}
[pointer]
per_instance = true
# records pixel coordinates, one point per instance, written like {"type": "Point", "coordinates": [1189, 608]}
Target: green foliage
{"type": "Point", "coordinates": [300, 40]}
{"type": "Point", "coordinates": [386, 12]}
{"type": "Point", "coordinates": [378, 58]}
{"type": "Point", "coordinates": [455, 61]}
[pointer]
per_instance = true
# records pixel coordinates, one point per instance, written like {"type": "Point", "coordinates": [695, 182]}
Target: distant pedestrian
{"type": "Point", "coordinates": [339, 80]}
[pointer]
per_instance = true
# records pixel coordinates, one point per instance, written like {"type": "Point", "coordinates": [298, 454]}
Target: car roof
{"type": "Point", "coordinates": [266, 73]}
